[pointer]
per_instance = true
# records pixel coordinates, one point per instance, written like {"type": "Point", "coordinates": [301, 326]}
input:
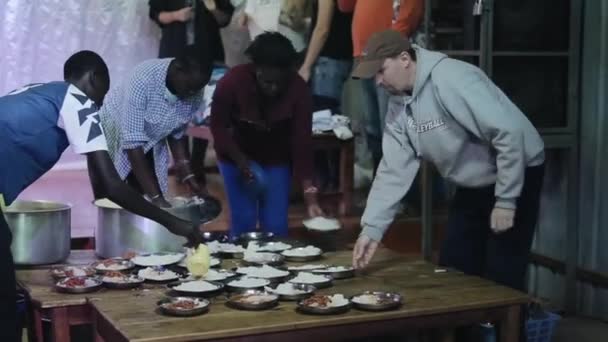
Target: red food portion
{"type": "Point", "coordinates": [129, 255]}
{"type": "Point", "coordinates": [114, 274]}
{"type": "Point", "coordinates": [74, 282]}
{"type": "Point", "coordinates": [108, 262]}
{"type": "Point", "coordinates": [183, 305]}
{"type": "Point", "coordinates": [317, 300]}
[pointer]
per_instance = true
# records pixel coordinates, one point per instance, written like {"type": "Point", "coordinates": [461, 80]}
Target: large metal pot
{"type": "Point", "coordinates": [41, 231]}
{"type": "Point", "coordinates": [119, 231]}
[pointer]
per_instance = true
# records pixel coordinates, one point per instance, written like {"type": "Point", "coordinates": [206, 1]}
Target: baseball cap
{"type": "Point", "coordinates": [381, 45]}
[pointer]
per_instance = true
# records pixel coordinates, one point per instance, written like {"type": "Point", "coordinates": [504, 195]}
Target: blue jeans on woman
{"type": "Point", "coordinates": [327, 83]}
{"type": "Point", "coordinates": [269, 208]}
{"type": "Point", "coordinates": [328, 77]}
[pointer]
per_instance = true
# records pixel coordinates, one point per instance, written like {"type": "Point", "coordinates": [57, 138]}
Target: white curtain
{"type": "Point", "coordinates": [37, 36]}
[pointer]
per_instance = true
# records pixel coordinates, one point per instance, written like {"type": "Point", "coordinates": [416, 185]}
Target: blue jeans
{"type": "Point", "coordinates": [327, 82]}
{"type": "Point", "coordinates": [269, 209]}
{"type": "Point", "coordinates": [375, 106]}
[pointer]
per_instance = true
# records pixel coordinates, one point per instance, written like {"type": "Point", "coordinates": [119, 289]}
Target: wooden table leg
{"type": "Point", "coordinates": [510, 324]}
{"type": "Point", "coordinates": [104, 331]}
{"type": "Point", "coordinates": [60, 325]}
{"type": "Point", "coordinates": [347, 165]}
{"type": "Point", "coordinates": [38, 325]}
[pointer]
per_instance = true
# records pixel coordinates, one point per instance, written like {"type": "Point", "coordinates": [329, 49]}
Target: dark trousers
{"type": "Point", "coordinates": [471, 247]}
{"type": "Point", "coordinates": [8, 285]}
{"type": "Point", "coordinates": [197, 159]}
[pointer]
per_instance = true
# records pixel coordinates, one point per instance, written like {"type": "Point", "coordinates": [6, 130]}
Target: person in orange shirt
{"type": "Point", "coordinates": [369, 17]}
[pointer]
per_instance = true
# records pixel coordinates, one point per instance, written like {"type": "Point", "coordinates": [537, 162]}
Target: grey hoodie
{"type": "Point", "coordinates": [460, 121]}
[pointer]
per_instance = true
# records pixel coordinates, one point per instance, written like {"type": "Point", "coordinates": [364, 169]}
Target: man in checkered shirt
{"type": "Point", "coordinates": [150, 110]}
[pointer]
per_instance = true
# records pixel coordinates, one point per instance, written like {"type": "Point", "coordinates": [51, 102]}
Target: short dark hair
{"type": "Point", "coordinates": [82, 62]}
{"type": "Point", "coordinates": [272, 49]}
{"type": "Point", "coordinates": [193, 59]}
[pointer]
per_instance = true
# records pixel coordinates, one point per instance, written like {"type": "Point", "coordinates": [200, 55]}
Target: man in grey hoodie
{"type": "Point", "coordinates": [450, 113]}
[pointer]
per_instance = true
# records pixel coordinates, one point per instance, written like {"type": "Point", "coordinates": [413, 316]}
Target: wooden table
{"type": "Point", "coordinates": [321, 142]}
{"type": "Point", "coordinates": [432, 300]}
{"type": "Point", "coordinates": [60, 309]}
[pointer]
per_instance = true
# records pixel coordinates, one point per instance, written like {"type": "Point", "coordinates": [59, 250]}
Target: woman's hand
{"type": "Point", "coordinates": [304, 72]}
{"type": "Point", "coordinates": [315, 211]}
{"type": "Point", "coordinates": [243, 166]}
{"type": "Point", "coordinates": [310, 198]}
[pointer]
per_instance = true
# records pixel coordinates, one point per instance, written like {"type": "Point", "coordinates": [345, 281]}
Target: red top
{"type": "Point", "coordinates": [279, 133]}
{"type": "Point", "coordinates": [371, 16]}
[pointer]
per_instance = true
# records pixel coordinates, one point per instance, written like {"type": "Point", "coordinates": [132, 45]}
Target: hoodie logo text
{"type": "Point", "coordinates": [425, 126]}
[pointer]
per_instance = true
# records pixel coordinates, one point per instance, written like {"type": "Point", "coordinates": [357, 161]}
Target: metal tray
{"type": "Point", "coordinates": [322, 285]}
{"type": "Point", "coordinates": [345, 274]}
{"type": "Point", "coordinates": [163, 307]}
{"type": "Point", "coordinates": [266, 246]}
{"type": "Point", "coordinates": [79, 290]}
{"type": "Point", "coordinates": [214, 263]}
{"type": "Point", "coordinates": [310, 290]}
{"type": "Point", "coordinates": [230, 255]}
{"type": "Point", "coordinates": [178, 275]}
{"type": "Point", "coordinates": [276, 260]}
{"type": "Point", "coordinates": [59, 272]}
{"type": "Point", "coordinates": [122, 286]}
{"type": "Point", "coordinates": [254, 236]}
{"type": "Point", "coordinates": [234, 303]}
{"type": "Point", "coordinates": [271, 279]}
{"type": "Point", "coordinates": [214, 236]}
{"type": "Point", "coordinates": [127, 265]}
{"type": "Point", "coordinates": [320, 266]}
{"type": "Point", "coordinates": [229, 277]}
{"type": "Point", "coordinates": [311, 310]}
{"type": "Point", "coordinates": [159, 254]}
{"type": "Point", "coordinates": [244, 289]}
{"type": "Point", "coordinates": [302, 258]}
{"type": "Point", "coordinates": [390, 301]}
{"type": "Point", "coordinates": [153, 281]}
{"type": "Point", "coordinates": [212, 293]}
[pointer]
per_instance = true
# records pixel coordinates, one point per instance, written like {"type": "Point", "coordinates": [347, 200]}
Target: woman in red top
{"type": "Point", "coordinates": [261, 120]}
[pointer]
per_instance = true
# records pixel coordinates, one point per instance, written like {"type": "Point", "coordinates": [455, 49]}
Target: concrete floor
{"type": "Point", "coordinates": [578, 329]}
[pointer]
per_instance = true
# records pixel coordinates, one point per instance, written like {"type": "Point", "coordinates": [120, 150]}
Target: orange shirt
{"type": "Point", "coordinates": [371, 16]}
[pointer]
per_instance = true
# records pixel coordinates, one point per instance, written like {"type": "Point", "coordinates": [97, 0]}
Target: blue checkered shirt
{"type": "Point", "coordinates": [136, 114]}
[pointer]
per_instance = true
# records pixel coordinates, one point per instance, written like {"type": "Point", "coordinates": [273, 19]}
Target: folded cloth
{"type": "Point", "coordinates": [343, 133]}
